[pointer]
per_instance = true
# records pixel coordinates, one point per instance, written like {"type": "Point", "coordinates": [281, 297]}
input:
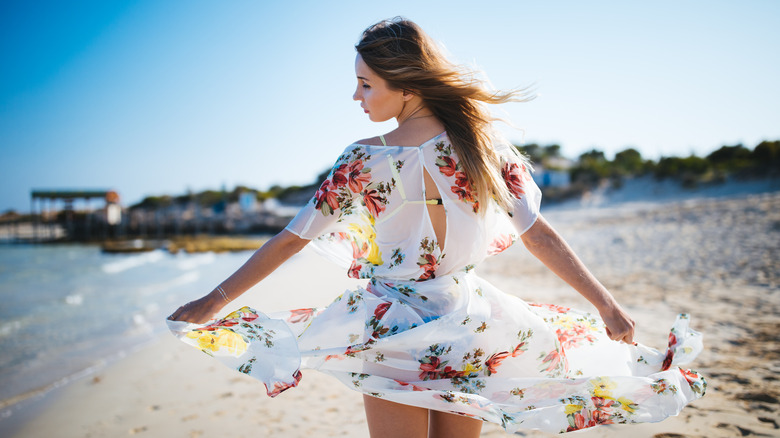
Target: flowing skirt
{"type": "Point", "coordinates": [457, 344]}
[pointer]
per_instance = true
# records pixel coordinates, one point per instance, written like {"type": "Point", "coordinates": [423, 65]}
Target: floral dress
{"type": "Point", "coordinates": [426, 330]}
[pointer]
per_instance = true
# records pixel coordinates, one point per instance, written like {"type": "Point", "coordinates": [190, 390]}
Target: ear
{"type": "Point", "coordinates": [408, 95]}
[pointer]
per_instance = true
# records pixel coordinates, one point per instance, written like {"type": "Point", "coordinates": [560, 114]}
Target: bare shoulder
{"type": "Point", "coordinates": [371, 141]}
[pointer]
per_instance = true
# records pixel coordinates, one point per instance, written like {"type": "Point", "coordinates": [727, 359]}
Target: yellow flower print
{"type": "Point", "coordinates": [206, 341]}
{"type": "Point", "coordinates": [627, 405]}
{"type": "Point", "coordinates": [565, 321]}
{"type": "Point", "coordinates": [364, 232]}
{"type": "Point", "coordinates": [236, 314]}
{"type": "Point", "coordinates": [221, 338]}
{"type": "Point", "coordinates": [470, 368]}
{"type": "Point", "coordinates": [570, 409]}
{"type": "Point", "coordinates": [602, 387]}
{"type": "Point", "coordinates": [231, 341]}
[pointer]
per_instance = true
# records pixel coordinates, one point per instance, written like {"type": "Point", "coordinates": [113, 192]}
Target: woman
{"type": "Point", "coordinates": [434, 348]}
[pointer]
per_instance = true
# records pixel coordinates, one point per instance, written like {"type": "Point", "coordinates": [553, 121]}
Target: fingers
{"type": "Point", "coordinates": [180, 313]}
{"type": "Point", "coordinates": [175, 315]}
{"type": "Point", "coordinates": [626, 334]}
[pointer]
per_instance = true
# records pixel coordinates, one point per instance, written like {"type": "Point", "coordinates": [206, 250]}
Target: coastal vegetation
{"type": "Point", "coordinates": [593, 168]}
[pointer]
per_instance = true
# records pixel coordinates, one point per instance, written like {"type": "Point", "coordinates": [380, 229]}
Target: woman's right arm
{"type": "Point", "coordinates": [263, 262]}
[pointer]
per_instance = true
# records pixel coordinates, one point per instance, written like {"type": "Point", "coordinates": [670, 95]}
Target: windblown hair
{"type": "Point", "coordinates": [399, 52]}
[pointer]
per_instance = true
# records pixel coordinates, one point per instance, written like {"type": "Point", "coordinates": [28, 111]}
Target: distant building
{"type": "Point", "coordinates": [248, 202]}
{"type": "Point", "coordinates": [551, 178]}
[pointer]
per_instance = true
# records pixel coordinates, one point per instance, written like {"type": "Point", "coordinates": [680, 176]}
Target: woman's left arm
{"type": "Point", "coordinates": [550, 248]}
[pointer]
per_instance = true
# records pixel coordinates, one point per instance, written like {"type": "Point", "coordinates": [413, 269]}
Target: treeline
{"type": "Point", "coordinates": [588, 170]}
{"type": "Point", "coordinates": [593, 167]}
{"type": "Point", "coordinates": [220, 198]}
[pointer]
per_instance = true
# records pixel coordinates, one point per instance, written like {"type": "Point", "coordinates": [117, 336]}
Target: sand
{"type": "Point", "coordinates": [715, 258]}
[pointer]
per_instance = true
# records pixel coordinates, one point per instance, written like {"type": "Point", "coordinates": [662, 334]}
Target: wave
{"type": "Point", "coordinates": [9, 327]}
{"type": "Point", "coordinates": [129, 262]}
{"type": "Point", "coordinates": [186, 278]}
{"type": "Point", "coordinates": [190, 262]}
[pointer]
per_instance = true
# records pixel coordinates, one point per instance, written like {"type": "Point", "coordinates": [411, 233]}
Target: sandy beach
{"type": "Point", "coordinates": [715, 258]}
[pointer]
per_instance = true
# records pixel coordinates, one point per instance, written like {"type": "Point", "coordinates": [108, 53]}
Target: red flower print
{"type": "Point", "coordinates": [356, 177]}
{"type": "Point", "coordinates": [354, 270]}
{"type": "Point", "coordinates": [494, 361]}
{"type": "Point", "coordinates": [667, 360]}
{"type": "Point", "coordinates": [600, 417]}
{"type": "Point", "coordinates": [579, 422]}
{"type": "Point", "coordinates": [695, 381]}
{"type": "Point", "coordinates": [279, 386]}
{"type": "Point", "coordinates": [448, 372]}
{"type": "Point", "coordinates": [461, 180]}
{"type": "Point", "coordinates": [553, 307]}
{"type": "Point", "coordinates": [462, 194]}
{"type": "Point", "coordinates": [513, 176]}
{"type": "Point", "coordinates": [357, 254]}
{"type": "Point", "coordinates": [300, 315]}
{"type": "Point", "coordinates": [380, 310]}
{"type": "Point", "coordinates": [430, 370]}
{"type": "Point", "coordinates": [672, 339]}
{"type": "Point", "coordinates": [690, 376]}
{"type": "Point", "coordinates": [556, 359]}
{"type": "Point", "coordinates": [327, 195]}
{"type": "Point", "coordinates": [374, 202]}
{"type": "Point", "coordinates": [450, 166]}
{"type": "Point", "coordinates": [339, 176]}
{"type": "Point", "coordinates": [602, 403]}
{"type": "Point", "coordinates": [429, 267]}
{"type": "Point", "coordinates": [405, 384]}
{"type": "Point", "coordinates": [501, 243]}
{"type": "Point", "coordinates": [519, 349]}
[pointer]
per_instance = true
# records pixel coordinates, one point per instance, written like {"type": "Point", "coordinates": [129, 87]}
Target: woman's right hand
{"type": "Point", "coordinates": [200, 310]}
{"type": "Point", "coordinates": [619, 326]}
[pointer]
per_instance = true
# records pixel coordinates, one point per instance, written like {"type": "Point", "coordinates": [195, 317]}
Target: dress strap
{"type": "Point", "coordinates": [382, 137]}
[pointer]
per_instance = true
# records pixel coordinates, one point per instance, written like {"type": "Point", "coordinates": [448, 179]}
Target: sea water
{"type": "Point", "coordinates": [66, 310]}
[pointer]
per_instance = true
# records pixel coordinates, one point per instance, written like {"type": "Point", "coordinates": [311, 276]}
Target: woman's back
{"type": "Point", "coordinates": [379, 210]}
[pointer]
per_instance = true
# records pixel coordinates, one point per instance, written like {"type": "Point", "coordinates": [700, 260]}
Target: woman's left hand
{"type": "Point", "coordinates": [198, 311]}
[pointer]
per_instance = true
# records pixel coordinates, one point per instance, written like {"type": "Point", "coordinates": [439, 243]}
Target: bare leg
{"type": "Point", "coordinates": [393, 420]}
{"type": "Point", "coordinates": [444, 425]}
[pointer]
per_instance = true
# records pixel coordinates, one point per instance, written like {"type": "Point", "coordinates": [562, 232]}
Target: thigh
{"type": "Point", "coordinates": [447, 425]}
{"type": "Point", "coordinates": [393, 420]}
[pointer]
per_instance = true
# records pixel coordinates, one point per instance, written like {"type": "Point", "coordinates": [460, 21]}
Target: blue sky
{"type": "Point", "coordinates": [161, 97]}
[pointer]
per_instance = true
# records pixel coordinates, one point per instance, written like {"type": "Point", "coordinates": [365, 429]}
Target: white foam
{"type": "Point", "coordinates": [129, 262]}
{"type": "Point", "coordinates": [74, 300]}
{"type": "Point", "coordinates": [7, 328]}
{"type": "Point", "coordinates": [189, 262]}
{"type": "Point", "coordinates": [186, 278]}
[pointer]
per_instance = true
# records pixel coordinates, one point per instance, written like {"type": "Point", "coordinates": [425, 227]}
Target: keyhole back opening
{"type": "Point", "coordinates": [436, 212]}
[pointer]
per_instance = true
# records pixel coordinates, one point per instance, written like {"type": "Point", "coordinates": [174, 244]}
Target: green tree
{"type": "Point", "coordinates": [766, 156]}
{"type": "Point", "coordinates": [591, 168]}
{"type": "Point", "coordinates": [628, 162]}
{"type": "Point", "coordinates": [730, 158]}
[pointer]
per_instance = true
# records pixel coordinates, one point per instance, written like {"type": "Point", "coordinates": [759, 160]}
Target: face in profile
{"type": "Point", "coordinates": [380, 102]}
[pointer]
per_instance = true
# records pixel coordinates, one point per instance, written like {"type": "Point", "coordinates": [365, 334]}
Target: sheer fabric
{"type": "Point", "coordinates": [426, 330]}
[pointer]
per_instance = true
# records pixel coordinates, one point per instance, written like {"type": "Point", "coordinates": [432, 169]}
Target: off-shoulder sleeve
{"type": "Point", "coordinates": [527, 197]}
{"type": "Point", "coordinates": [332, 202]}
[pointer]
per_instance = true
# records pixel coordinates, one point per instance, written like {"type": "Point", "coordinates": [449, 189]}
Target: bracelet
{"type": "Point", "coordinates": [222, 292]}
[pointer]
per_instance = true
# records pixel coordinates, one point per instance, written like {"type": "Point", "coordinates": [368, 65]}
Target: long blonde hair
{"type": "Point", "coordinates": [402, 54]}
